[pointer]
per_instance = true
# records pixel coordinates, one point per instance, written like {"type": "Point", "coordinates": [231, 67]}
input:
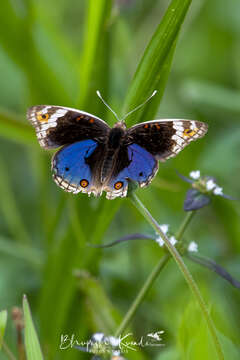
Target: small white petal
{"type": "Point", "coordinates": [195, 174]}
{"type": "Point", "coordinates": [159, 241]}
{"type": "Point", "coordinates": [210, 185]}
{"type": "Point", "coordinates": [193, 247]}
{"type": "Point", "coordinates": [172, 240]}
{"type": "Point", "coordinates": [164, 228]}
{"type": "Point", "coordinates": [218, 191]}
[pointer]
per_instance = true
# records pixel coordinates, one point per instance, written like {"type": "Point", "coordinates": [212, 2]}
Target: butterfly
{"type": "Point", "coordinates": [94, 157]}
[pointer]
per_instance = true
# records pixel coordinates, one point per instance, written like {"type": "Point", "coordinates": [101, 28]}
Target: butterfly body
{"type": "Point", "coordinates": [94, 157]}
{"type": "Point", "coordinates": [114, 144]}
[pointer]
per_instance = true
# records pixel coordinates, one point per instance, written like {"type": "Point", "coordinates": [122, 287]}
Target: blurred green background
{"type": "Point", "coordinates": [45, 52]}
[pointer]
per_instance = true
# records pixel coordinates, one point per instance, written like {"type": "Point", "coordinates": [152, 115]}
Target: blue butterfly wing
{"type": "Point", "coordinates": [141, 169]}
{"type": "Point", "coordinates": [71, 170]}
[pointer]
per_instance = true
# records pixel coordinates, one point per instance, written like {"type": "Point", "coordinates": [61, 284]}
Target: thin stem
{"type": "Point", "coordinates": [151, 278]}
{"type": "Point", "coordinates": [184, 224]}
{"type": "Point", "coordinates": [142, 293]}
{"type": "Point", "coordinates": [188, 277]}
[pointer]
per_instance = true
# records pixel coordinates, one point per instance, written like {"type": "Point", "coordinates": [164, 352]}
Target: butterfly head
{"type": "Point", "coordinates": [120, 125]}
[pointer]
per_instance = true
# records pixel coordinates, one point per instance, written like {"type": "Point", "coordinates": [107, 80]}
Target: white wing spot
{"type": "Point", "coordinates": [193, 125]}
{"type": "Point", "coordinates": [59, 113]}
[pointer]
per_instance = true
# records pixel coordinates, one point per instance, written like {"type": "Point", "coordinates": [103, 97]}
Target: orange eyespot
{"type": "Point", "coordinates": [84, 183]}
{"type": "Point", "coordinates": [118, 185]}
{"type": "Point", "coordinates": [146, 126]}
{"type": "Point", "coordinates": [91, 121]}
{"type": "Point", "coordinates": [189, 132]}
{"type": "Point", "coordinates": [42, 117]}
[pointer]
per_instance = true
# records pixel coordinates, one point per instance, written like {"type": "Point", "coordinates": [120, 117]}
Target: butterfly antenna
{"type": "Point", "coordinates": [100, 97]}
{"type": "Point", "coordinates": [139, 106]}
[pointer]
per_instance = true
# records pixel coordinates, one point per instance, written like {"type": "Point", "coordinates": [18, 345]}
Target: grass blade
{"type": "Point", "coordinates": [3, 323]}
{"type": "Point", "coordinates": [59, 288]}
{"type": "Point", "coordinates": [152, 73]}
{"type": "Point", "coordinates": [32, 345]}
{"type": "Point", "coordinates": [153, 70]}
{"type": "Point", "coordinates": [10, 209]}
{"type": "Point", "coordinates": [102, 311]}
{"type": "Point", "coordinates": [97, 22]}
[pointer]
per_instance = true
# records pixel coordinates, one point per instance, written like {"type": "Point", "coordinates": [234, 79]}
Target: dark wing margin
{"type": "Point", "coordinates": [167, 137]}
{"type": "Point", "coordinates": [57, 125]}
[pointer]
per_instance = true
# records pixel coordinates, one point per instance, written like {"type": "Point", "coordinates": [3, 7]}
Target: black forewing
{"type": "Point", "coordinates": [65, 126]}
{"type": "Point", "coordinates": [165, 138]}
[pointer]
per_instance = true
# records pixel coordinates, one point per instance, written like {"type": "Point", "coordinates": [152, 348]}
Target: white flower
{"type": "Point", "coordinates": [195, 174]}
{"type": "Point", "coordinates": [173, 240]}
{"type": "Point", "coordinates": [164, 228]}
{"type": "Point", "coordinates": [210, 185]}
{"type": "Point", "coordinates": [218, 190]}
{"type": "Point", "coordinates": [98, 337]}
{"type": "Point", "coordinates": [193, 247]}
{"type": "Point", "coordinates": [160, 241]}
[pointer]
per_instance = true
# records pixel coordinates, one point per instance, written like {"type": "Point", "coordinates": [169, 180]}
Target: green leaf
{"type": "Point", "coordinates": [195, 200]}
{"type": "Point", "coordinates": [95, 45]}
{"type": "Point", "coordinates": [194, 341]}
{"type": "Point", "coordinates": [32, 345]}
{"type": "Point", "coordinates": [229, 348]}
{"type": "Point", "coordinates": [153, 70]}
{"type": "Point", "coordinates": [193, 337]}
{"type": "Point", "coordinates": [3, 323]}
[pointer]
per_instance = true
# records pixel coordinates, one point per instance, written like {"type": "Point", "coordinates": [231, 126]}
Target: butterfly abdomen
{"type": "Point", "coordinates": [107, 164]}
